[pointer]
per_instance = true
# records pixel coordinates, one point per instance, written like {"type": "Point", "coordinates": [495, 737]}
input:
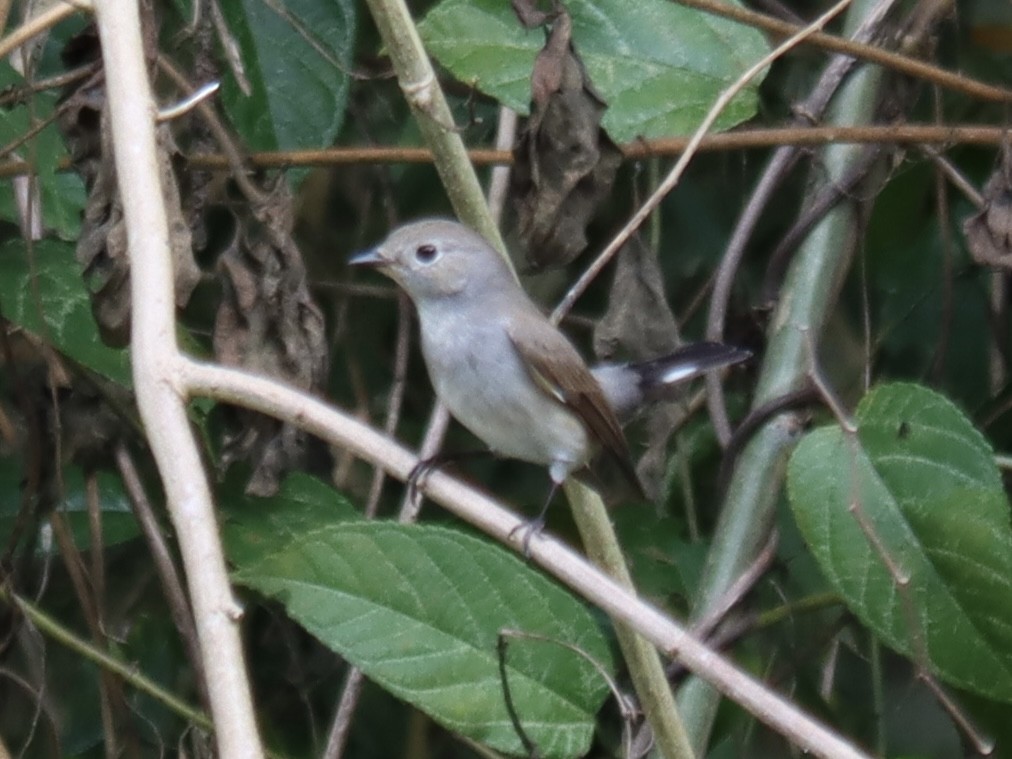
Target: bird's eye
{"type": "Point", "coordinates": [426, 254]}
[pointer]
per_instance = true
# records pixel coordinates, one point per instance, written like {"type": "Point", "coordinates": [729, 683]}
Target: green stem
{"type": "Point", "coordinates": [645, 667]}
{"type": "Point", "coordinates": [784, 611]}
{"type": "Point", "coordinates": [877, 694]}
{"type": "Point", "coordinates": [128, 672]}
{"type": "Point", "coordinates": [435, 121]}
{"type": "Point", "coordinates": [422, 90]}
{"type": "Point", "coordinates": [809, 294]}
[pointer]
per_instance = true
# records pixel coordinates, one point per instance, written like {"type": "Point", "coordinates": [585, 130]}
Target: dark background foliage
{"type": "Point", "coordinates": [262, 283]}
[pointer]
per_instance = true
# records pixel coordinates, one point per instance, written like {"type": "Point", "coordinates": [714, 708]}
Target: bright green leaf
{"type": "Point", "coordinates": [42, 292]}
{"type": "Point", "coordinates": [296, 57]}
{"type": "Point", "coordinates": [418, 609]}
{"type": "Point", "coordinates": [916, 488]}
{"type": "Point", "coordinates": [483, 44]}
{"type": "Point", "coordinates": [62, 195]}
{"type": "Point", "coordinates": [659, 66]}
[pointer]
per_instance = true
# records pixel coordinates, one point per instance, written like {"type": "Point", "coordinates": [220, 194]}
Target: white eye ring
{"type": "Point", "coordinates": [426, 253]}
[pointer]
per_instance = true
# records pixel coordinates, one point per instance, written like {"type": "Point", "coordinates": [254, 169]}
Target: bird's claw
{"type": "Point", "coordinates": [419, 474]}
{"type": "Point", "coordinates": [529, 529]}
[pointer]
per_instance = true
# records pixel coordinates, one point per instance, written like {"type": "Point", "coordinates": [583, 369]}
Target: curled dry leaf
{"type": "Point", "coordinates": [989, 231]}
{"type": "Point", "coordinates": [102, 246]}
{"type": "Point", "coordinates": [267, 323]}
{"type": "Point", "coordinates": [564, 162]}
{"type": "Point", "coordinates": [639, 325]}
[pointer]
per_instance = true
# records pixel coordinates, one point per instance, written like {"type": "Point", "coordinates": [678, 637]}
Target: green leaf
{"type": "Point", "coordinates": [42, 292]}
{"type": "Point", "coordinates": [659, 66]}
{"type": "Point", "coordinates": [917, 487]}
{"type": "Point", "coordinates": [118, 522]}
{"type": "Point", "coordinates": [296, 57]}
{"type": "Point", "coordinates": [62, 195]}
{"type": "Point", "coordinates": [261, 524]}
{"type": "Point", "coordinates": [663, 564]}
{"type": "Point", "coordinates": [418, 609]}
{"type": "Point", "coordinates": [483, 44]}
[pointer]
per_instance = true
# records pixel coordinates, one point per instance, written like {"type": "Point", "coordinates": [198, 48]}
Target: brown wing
{"type": "Point", "coordinates": [555, 365]}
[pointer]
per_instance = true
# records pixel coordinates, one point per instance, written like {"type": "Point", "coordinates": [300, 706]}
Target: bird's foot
{"type": "Point", "coordinates": [528, 530]}
{"type": "Point", "coordinates": [420, 473]}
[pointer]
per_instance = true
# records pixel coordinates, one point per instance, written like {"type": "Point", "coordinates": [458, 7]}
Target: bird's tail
{"type": "Point", "coordinates": [629, 386]}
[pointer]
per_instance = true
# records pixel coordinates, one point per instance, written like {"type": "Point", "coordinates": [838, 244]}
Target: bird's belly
{"type": "Point", "coordinates": [490, 392]}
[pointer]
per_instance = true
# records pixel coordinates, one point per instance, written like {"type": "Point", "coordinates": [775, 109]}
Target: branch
{"type": "Point", "coordinates": [428, 105]}
{"type": "Point", "coordinates": [869, 53]}
{"type": "Point", "coordinates": [810, 294]}
{"type": "Point", "coordinates": [337, 428]}
{"type": "Point", "coordinates": [108, 663]}
{"type": "Point", "coordinates": [160, 399]}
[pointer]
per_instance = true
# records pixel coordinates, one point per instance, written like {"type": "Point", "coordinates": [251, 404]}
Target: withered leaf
{"type": "Point", "coordinates": [102, 247]}
{"type": "Point", "coordinates": [639, 325]}
{"type": "Point", "coordinates": [989, 231]}
{"type": "Point", "coordinates": [530, 15]}
{"type": "Point", "coordinates": [268, 323]}
{"type": "Point", "coordinates": [564, 161]}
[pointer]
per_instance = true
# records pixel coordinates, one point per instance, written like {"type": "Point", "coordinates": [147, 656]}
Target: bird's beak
{"type": "Point", "coordinates": [372, 258]}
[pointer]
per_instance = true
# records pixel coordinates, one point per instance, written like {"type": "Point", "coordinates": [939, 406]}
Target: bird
{"type": "Point", "coordinates": [505, 371]}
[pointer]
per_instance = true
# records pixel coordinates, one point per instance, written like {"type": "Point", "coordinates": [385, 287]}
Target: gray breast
{"type": "Point", "coordinates": [477, 373]}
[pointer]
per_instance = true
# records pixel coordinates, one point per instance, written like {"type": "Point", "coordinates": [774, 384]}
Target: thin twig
{"type": "Point", "coordinates": [626, 708]}
{"type": "Point", "coordinates": [110, 701]}
{"type": "Point", "coordinates": [741, 139]}
{"type": "Point", "coordinates": [671, 180]}
{"type": "Point", "coordinates": [31, 132]}
{"type": "Point", "coordinates": [955, 177]}
{"type": "Point", "coordinates": [982, 744]}
{"type": "Point", "coordinates": [499, 182]}
{"type": "Point", "coordinates": [396, 397]}
{"type": "Point", "coordinates": [234, 159]}
{"type": "Point", "coordinates": [346, 708]}
{"type": "Point", "coordinates": [530, 747]}
{"type": "Point", "coordinates": [188, 103]}
{"type": "Point", "coordinates": [18, 95]}
{"type": "Point", "coordinates": [165, 565]}
{"type": "Point", "coordinates": [39, 24]}
{"type": "Point", "coordinates": [96, 547]}
{"type": "Point", "coordinates": [736, 591]}
{"type": "Point", "coordinates": [948, 246]}
{"type": "Point", "coordinates": [813, 212]}
{"type": "Point", "coordinates": [869, 53]}
{"type": "Point", "coordinates": [783, 159]}
{"type": "Point", "coordinates": [821, 384]}
{"type": "Point", "coordinates": [123, 670]}
{"type": "Point", "coordinates": [38, 696]}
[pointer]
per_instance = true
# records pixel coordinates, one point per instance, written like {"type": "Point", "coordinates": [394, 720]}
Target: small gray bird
{"type": "Point", "coordinates": [504, 370]}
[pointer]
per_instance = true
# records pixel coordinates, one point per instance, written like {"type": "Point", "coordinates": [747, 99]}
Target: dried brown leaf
{"type": "Point", "coordinates": [565, 163]}
{"type": "Point", "coordinates": [268, 323]}
{"type": "Point", "coordinates": [639, 325]}
{"type": "Point", "coordinates": [989, 232]}
{"type": "Point", "coordinates": [102, 246]}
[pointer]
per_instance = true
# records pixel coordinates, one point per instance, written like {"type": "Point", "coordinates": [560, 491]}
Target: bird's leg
{"type": "Point", "coordinates": [420, 471]}
{"type": "Point", "coordinates": [534, 526]}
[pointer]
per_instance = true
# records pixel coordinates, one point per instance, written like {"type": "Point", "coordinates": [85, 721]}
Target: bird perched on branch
{"type": "Point", "coordinates": [505, 371]}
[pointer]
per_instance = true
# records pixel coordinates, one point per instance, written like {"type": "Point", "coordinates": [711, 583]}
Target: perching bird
{"type": "Point", "coordinates": [504, 370]}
